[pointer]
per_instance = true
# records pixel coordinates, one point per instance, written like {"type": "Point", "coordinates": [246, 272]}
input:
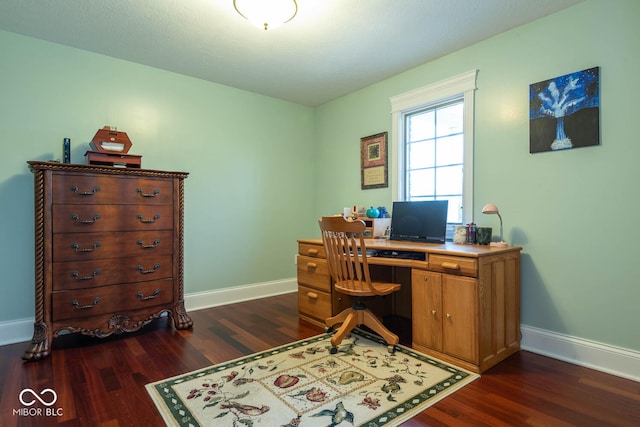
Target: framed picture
{"type": "Point", "coordinates": [374, 161]}
{"type": "Point", "coordinates": [564, 112]}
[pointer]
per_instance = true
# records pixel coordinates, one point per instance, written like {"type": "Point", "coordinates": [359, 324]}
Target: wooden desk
{"type": "Point", "coordinates": [465, 299]}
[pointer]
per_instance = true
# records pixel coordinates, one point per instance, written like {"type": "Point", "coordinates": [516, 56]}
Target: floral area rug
{"type": "Point", "coordinates": [302, 384]}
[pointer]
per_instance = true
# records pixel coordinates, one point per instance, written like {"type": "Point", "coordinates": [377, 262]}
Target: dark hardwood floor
{"type": "Point", "coordinates": [101, 382]}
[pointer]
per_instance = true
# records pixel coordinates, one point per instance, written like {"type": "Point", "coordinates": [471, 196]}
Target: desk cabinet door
{"type": "Point", "coordinates": [460, 317]}
{"type": "Point", "coordinates": [426, 290]}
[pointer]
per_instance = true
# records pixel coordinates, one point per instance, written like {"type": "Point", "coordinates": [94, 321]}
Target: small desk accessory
{"type": "Point", "coordinates": [490, 208]}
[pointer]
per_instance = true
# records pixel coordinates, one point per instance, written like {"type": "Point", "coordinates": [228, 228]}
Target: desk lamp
{"type": "Point", "coordinates": [490, 208]}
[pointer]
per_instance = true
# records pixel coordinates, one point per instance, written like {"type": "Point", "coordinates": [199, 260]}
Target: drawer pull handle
{"type": "Point", "coordinates": [154, 194]}
{"type": "Point", "coordinates": [451, 266]}
{"type": "Point", "coordinates": [312, 295]}
{"type": "Point", "coordinates": [75, 218]}
{"type": "Point", "coordinates": [153, 245]}
{"type": "Point", "coordinates": [312, 252]}
{"type": "Point", "coordinates": [312, 265]}
{"type": "Point", "coordinates": [148, 221]}
{"type": "Point", "coordinates": [85, 193]}
{"type": "Point", "coordinates": [143, 271]}
{"type": "Point", "coordinates": [76, 276]}
{"type": "Point", "coordinates": [77, 248]}
{"type": "Point", "coordinates": [152, 296]}
{"type": "Point", "coordinates": [77, 305]}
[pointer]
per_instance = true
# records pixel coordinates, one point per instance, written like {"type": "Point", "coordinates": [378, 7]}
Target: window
{"type": "Point", "coordinates": [433, 146]}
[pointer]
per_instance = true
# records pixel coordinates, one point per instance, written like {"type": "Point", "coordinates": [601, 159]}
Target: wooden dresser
{"type": "Point", "coordinates": [108, 250]}
{"type": "Point", "coordinates": [464, 299]}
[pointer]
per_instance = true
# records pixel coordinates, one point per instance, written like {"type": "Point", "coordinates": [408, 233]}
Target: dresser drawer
{"type": "Point", "coordinates": [314, 303]}
{"type": "Point", "coordinates": [454, 265]}
{"type": "Point", "coordinates": [92, 218]}
{"type": "Point", "coordinates": [316, 251]}
{"type": "Point", "coordinates": [314, 272]}
{"type": "Point", "coordinates": [105, 189]}
{"type": "Point", "coordinates": [92, 246]}
{"type": "Point", "coordinates": [91, 274]}
{"type": "Point", "coordinates": [110, 299]}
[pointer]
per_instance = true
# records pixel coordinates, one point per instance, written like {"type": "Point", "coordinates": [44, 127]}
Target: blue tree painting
{"type": "Point", "coordinates": [564, 112]}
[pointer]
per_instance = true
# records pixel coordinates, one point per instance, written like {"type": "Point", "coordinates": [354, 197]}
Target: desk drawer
{"type": "Point", "coordinates": [316, 251]}
{"type": "Point", "coordinates": [314, 303]}
{"type": "Point", "coordinates": [454, 265]}
{"type": "Point", "coordinates": [314, 272]}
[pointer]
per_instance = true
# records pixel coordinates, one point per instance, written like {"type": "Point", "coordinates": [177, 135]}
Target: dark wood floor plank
{"type": "Point", "coordinates": [101, 382]}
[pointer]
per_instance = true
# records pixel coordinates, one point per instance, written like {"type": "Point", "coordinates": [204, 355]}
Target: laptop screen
{"type": "Point", "coordinates": [421, 221]}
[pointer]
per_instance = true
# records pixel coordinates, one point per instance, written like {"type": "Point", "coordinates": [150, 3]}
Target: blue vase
{"type": "Point", "coordinates": [372, 212]}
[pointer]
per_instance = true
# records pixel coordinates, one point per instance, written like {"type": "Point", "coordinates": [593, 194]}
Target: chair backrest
{"type": "Point", "coordinates": [346, 253]}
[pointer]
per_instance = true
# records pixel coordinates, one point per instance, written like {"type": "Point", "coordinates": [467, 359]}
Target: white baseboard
{"type": "Point", "coordinates": [613, 360]}
{"type": "Point", "coordinates": [201, 300]}
{"type": "Point", "coordinates": [14, 331]}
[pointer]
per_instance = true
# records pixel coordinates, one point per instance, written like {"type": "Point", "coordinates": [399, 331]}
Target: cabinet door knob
{"type": "Point", "coordinates": [448, 316]}
{"type": "Point", "coordinates": [433, 312]}
{"type": "Point", "coordinates": [425, 278]}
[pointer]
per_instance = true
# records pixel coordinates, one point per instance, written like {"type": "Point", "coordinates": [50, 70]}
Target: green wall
{"type": "Point", "coordinates": [569, 210]}
{"type": "Point", "coordinates": [249, 194]}
{"type": "Point", "coordinates": [262, 170]}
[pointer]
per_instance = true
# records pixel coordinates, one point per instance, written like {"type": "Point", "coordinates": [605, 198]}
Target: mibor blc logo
{"type": "Point", "coordinates": [38, 404]}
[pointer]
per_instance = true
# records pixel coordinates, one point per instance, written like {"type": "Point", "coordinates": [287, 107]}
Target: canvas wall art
{"type": "Point", "coordinates": [564, 112]}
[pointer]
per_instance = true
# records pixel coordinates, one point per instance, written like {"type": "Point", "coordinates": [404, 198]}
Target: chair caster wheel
{"type": "Point", "coordinates": [333, 350]}
{"type": "Point", "coordinates": [391, 349]}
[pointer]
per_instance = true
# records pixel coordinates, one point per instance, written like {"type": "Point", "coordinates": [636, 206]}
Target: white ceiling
{"type": "Point", "coordinates": [331, 48]}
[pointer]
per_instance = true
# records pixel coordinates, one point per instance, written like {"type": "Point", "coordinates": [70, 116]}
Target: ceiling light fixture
{"type": "Point", "coordinates": [267, 14]}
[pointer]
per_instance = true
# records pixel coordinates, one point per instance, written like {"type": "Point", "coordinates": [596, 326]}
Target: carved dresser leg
{"type": "Point", "coordinates": [39, 346]}
{"type": "Point", "coordinates": [181, 319]}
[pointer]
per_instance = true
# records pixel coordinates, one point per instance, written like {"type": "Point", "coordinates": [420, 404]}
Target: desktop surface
{"type": "Point", "coordinates": [447, 248]}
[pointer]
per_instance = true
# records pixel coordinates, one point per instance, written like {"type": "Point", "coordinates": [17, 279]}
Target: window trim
{"type": "Point", "coordinates": [408, 102]}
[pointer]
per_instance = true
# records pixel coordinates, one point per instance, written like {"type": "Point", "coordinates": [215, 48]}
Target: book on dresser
{"type": "Point", "coordinates": [109, 251]}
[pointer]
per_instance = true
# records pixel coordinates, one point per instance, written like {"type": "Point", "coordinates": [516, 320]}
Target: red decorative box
{"type": "Point", "coordinates": [110, 148]}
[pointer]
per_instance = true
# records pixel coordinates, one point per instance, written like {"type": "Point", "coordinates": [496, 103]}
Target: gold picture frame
{"type": "Point", "coordinates": [374, 161]}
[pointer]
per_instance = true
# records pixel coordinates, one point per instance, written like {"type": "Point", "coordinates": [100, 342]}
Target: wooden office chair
{"type": "Point", "coordinates": [347, 259]}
